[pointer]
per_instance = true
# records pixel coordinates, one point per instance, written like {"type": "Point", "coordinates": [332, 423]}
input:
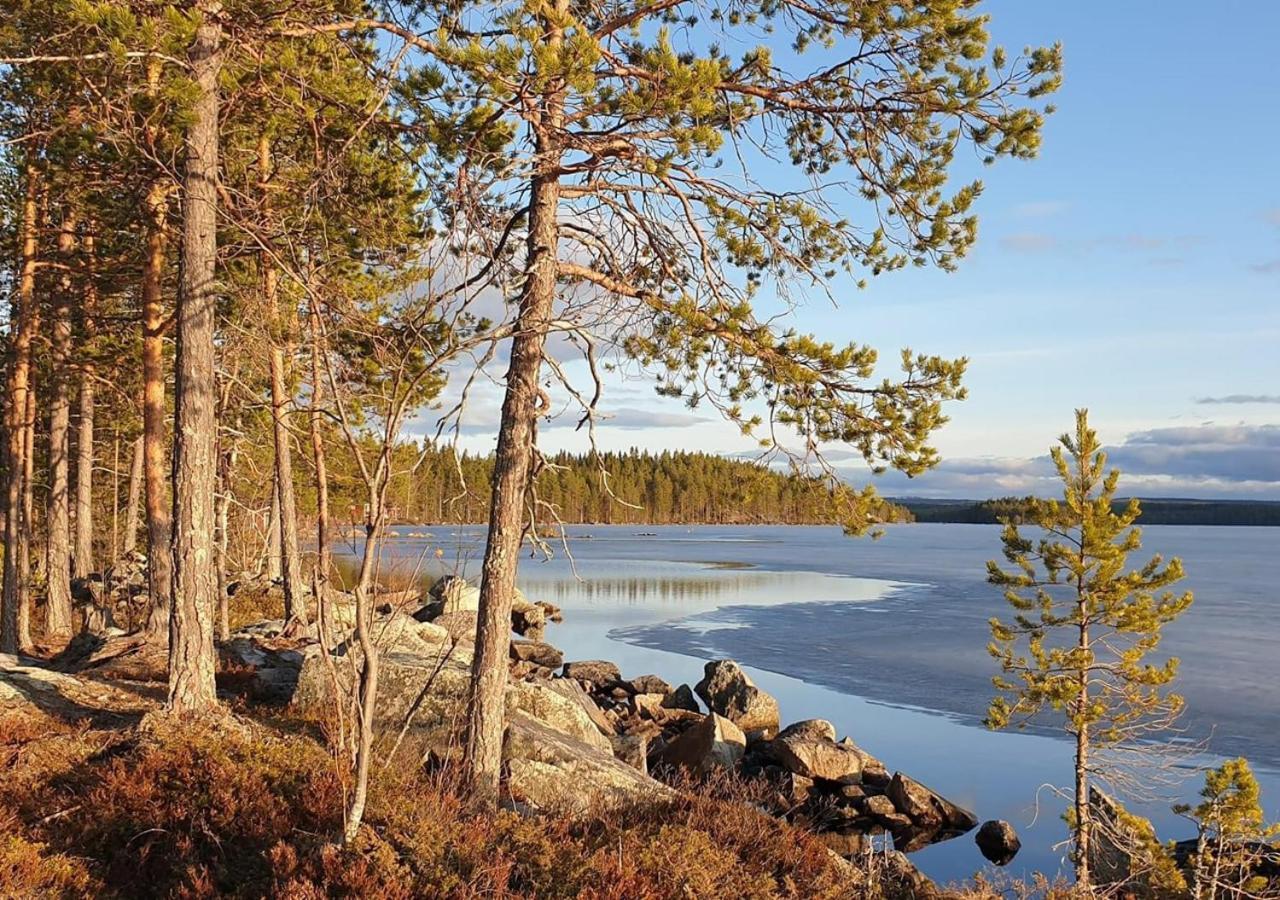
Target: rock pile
{"type": "Point", "coordinates": [579, 732]}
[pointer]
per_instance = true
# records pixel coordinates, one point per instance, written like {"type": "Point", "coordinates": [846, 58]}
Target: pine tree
{"type": "Point", "coordinates": [1232, 835]}
{"type": "Point", "coordinates": [1083, 625]}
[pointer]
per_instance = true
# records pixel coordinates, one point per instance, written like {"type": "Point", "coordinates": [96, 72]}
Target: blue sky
{"type": "Point", "coordinates": [1134, 268]}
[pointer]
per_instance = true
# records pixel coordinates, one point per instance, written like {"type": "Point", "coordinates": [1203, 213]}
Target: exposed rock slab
{"type": "Point", "coordinates": [549, 770]}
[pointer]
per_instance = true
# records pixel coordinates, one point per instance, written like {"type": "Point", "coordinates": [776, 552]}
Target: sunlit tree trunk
{"type": "Point", "coordinates": [58, 510]}
{"type": "Point", "coordinates": [316, 422]}
{"type": "Point", "coordinates": [295, 608]}
{"type": "Point", "coordinates": [513, 457]}
{"type": "Point", "coordinates": [13, 637]}
{"type": "Point", "coordinates": [155, 424]}
{"type": "Point", "coordinates": [192, 657]}
{"type": "Point", "coordinates": [82, 552]}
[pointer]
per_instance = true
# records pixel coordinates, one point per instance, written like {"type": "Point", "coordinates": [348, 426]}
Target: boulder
{"type": "Point", "coordinates": [810, 728]}
{"type": "Point", "coordinates": [648, 705]}
{"type": "Point", "coordinates": [647, 684]}
{"type": "Point", "coordinates": [428, 692]}
{"type": "Point", "coordinates": [526, 617]}
{"type": "Point", "coordinates": [460, 625]}
{"type": "Point", "coordinates": [926, 808]}
{"type": "Point", "coordinates": [536, 652]}
{"type": "Point", "coordinates": [729, 692]}
{"type": "Point", "coordinates": [570, 689]}
{"type": "Point", "coordinates": [453, 594]}
{"type": "Point", "coordinates": [549, 770]}
{"type": "Point", "coordinates": [715, 742]}
{"type": "Point", "coordinates": [599, 673]}
{"type": "Point", "coordinates": [998, 841]}
{"type": "Point", "coordinates": [557, 711]}
{"type": "Point", "coordinates": [682, 698]}
{"type": "Point", "coordinates": [632, 749]}
{"type": "Point", "coordinates": [818, 757]}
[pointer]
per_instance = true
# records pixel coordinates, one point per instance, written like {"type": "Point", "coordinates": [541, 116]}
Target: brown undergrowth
{"type": "Point", "coordinates": [250, 807]}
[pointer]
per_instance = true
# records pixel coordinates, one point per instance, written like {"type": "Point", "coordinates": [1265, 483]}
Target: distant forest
{"type": "Point", "coordinates": [1155, 511]}
{"type": "Point", "coordinates": [667, 487]}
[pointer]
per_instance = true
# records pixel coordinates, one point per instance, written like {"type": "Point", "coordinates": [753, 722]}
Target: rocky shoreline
{"type": "Point", "coordinates": [581, 734]}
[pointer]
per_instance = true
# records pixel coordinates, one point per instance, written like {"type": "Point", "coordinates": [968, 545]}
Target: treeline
{"type": "Point", "coordinates": [1155, 511]}
{"type": "Point", "coordinates": [631, 487]}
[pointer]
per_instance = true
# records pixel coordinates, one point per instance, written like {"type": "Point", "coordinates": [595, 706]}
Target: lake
{"type": "Point", "coordinates": [887, 639]}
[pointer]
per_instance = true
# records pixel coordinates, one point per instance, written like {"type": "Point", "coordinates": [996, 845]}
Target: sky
{"type": "Point", "coordinates": [1133, 268]}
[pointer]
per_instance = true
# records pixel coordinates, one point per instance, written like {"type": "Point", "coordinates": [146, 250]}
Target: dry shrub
{"type": "Point", "coordinates": [251, 811]}
{"type": "Point", "coordinates": [28, 870]}
{"type": "Point", "coordinates": [254, 603]}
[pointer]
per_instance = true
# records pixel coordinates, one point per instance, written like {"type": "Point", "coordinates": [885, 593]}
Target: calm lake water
{"type": "Point", "coordinates": [887, 640]}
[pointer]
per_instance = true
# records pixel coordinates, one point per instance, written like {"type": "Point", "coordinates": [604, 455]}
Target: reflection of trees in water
{"type": "Point", "coordinates": [646, 588]}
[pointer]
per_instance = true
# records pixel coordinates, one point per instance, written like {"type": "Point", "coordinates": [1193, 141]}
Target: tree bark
{"type": "Point", "coordinates": [155, 423]}
{"type": "Point", "coordinates": [82, 552]}
{"type": "Point", "coordinates": [274, 569]}
{"type": "Point", "coordinates": [513, 457]}
{"type": "Point", "coordinates": [13, 637]}
{"type": "Point", "coordinates": [192, 657]}
{"type": "Point", "coordinates": [295, 606]}
{"type": "Point", "coordinates": [135, 500]}
{"type": "Point", "coordinates": [316, 422]}
{"type": "Point", "coordinates": [58, 510]}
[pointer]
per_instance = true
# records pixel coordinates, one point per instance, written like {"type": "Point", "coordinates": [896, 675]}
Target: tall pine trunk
{"type": "Point", "coordinates": [155, 424]}
{"type": "Point", "coordinates": [316, 423]}
{"type": "Point", "coordinates": [82, 551]}
{"type": "Point", "coordinates": [295, 607]}
{"type": "Point", "coordinates": [13, 636]}
{"type": "Point", "coordinates": [58, 510]}
{"type": "Point", "coordinates": [192, 656]}
{"type": "Point", "coordinates": [513, 457]}
{"type": "Point", "coordinates": [134, 502]}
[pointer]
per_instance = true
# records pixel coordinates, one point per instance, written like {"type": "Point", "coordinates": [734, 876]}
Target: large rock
{"type": "Point", "coordinates": [554, 709]}
{"type": "Point", "coordinates": [818, 757]}
{"type": "Point", "coordinates": [536, 652]}
{"type": "Point", "coordinates": [729, 692]}
{"type": "Point", "coordinates": [570, 689]}
{"type": "Point", "coordinates": [527, 618]}
{"type": "Point", "coordinates": [647, 684]}
{"type": "Point", "coordinates": [713, 743]}
{"type": "Point", "coordinates": [682, 698]}
{"type": "Point", "coordinates": [810, 728]}
{"type": "Point", "coordinates": [998, 841]}
{"type": "Point", "coordinates": [429, 693]}
{"type": "Point", "coordinates": [460, 625]}
{"type": "Point", "coordinates": [549, 770]}
{"type": "Point", "coordinates": [926, 808]}
{"type": "Point", "coordinates": [599, 673]}
{"type": "Point", "coordinates": [453, 594]}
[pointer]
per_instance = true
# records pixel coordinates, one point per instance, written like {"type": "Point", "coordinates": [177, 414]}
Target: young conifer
{"type": "Point", "coordinates": [1084, 624]}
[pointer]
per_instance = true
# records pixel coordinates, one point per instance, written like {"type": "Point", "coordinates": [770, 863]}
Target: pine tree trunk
{"type": "Point", "coordinates": [13, 637]}
{"type": "Point", "coordinates": [1084, 816]}
{"type": "Point", "coordinates": [134, 501]}
{"type": "Point", "coordinates": [192, 657]}
{"type": "Point", "coordinates": [316, 422]}
{"type": "Point", "coordinates": [295, 607]}
{"type": "Point", "coordinates": [58, 510]}
{"type": "Point", "coordinates": [155, 423]}
{"type": "Point", "coordinates": [27, 534]}
{"type": "Point", "coordinates": [513, 457]}
{"type": "Point", "coordinates": [274, 569]}
{"type": "Point", "coordinates": [82, 552]}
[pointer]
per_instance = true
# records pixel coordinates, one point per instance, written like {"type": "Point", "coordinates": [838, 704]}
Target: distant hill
{"type": "Point", "coordinates": [1155, 511]}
